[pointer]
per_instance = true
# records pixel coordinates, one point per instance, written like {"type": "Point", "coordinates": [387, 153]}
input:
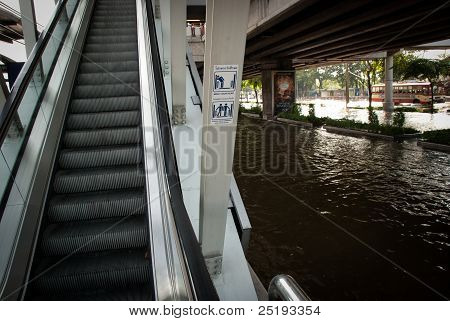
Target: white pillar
{"type": "Point", "coordinates": [388, 104]}
{"type": "Point", "coordinates": [28, 24]}
{"type": "Point", "coordinates": [226, 32]}
{"type": "Point", "coordinates": [178, 62]}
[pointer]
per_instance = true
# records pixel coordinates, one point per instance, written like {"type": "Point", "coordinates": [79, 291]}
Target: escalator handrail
{"type": "Point", "coordinates": [26, 74]}
{"type": "Point", "coordinates": [201, 280]}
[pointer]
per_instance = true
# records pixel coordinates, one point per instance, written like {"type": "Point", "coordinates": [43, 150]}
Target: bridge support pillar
{"type": "Point", "coordinates": [226, 28]}
{"type": "Point", "coordinates": [388, 104]}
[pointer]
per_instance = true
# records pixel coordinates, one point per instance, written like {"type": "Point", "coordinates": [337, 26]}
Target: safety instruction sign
{"type": "Point", "coordinates": [223, 93]}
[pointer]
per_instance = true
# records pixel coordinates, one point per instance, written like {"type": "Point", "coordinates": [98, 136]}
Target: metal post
{"type": "Point", "coordinates": [28, 24]}
{"type": "Point", "coordinates": [226, 32]}
{"type": "Point", "coordinates": [178, 55]}
{"type": "Point", "coordinates": [388, 104]}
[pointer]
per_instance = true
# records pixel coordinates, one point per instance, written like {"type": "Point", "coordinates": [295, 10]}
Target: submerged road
{"type": "Point", "coordinates": [349, 218]}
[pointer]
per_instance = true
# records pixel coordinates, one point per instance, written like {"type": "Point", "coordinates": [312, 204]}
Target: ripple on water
{"type": "Point", "coordinates": [393, 196]}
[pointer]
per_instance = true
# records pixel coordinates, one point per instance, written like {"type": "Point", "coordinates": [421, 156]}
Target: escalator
{"type": "Point", "coordinates": [96, 235]}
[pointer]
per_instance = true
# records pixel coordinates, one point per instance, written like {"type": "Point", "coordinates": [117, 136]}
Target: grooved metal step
{"type": "Point", "coordinates": [90, 67]}
{"type": "Point", "coordinates": [109, 47]}
{"type": "Point", "coordinates": [125, 18]}
{"type": "Point", "coordinates": [108, 78]}
{"type": "Point", "coordinates": [94, 239]}
{"type": "Point", "coordinates": [111, 38]}
{"type": "Point", "coordinates": [81, 237]}
{"type": "Point", "coordinates": [109, 56]}
{"type": "Point", "coordinates": [100, 157]}
{"type": "Point", "coordinates": [119, 31]}
{"type": "Point", "coordinates": [91, 105]}
{"type": "Point", "coordinates": [98, 205]}
{"type": "Point", "coordinates": [102, 137]}
{"type": "Point", "coordinates": [118, 269]}
{"type": "Point", "coordinates": [101, 179]}
{"type": "Point", "coordinates": [113, 25]}
{"type": "Point", "coordinates": [109, 90]}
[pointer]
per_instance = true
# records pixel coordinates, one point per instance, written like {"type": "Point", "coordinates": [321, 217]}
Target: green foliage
{"type": "Point", "coordinates": [438, 136]}
{"type": "Point", "coordinates": [254, 84]}
{"type": "Point", "coordinates": [381, 129]}
{"type": "Point", "coordinates": [374, 123]}
{"type": "Point", "coordinates": [401, 62]}
{"type": "Point", "coordinates": [427, 69]}
{"type": "Point", "coordinates": [398, 119]}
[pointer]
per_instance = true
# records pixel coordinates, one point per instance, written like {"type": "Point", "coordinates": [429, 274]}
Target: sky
{"type": "Point", "coordinates": [43, 10]}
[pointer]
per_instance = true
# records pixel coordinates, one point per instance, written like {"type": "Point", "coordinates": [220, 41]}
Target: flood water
{"type": "Point", "coordinates": [349, 218]}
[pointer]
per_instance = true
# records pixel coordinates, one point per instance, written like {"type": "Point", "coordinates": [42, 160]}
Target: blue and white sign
{"type": "Point", "coordinates": [222, 112]}
{"type": "Point", "coordinates": [223, 93]}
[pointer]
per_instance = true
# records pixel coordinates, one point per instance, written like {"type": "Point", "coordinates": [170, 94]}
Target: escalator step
{"type": "Point", "coordinates": [89, 67]}
{"type": "Point", "coordinates": [87, 236]}
{"type": "Point", "coordinates": [111, 90]}
{"type": "Point", "coordinates": [123, 18]}
{"type": "Point", "coordinates": [103, 120]}
{"type": "Point", "coordinates": [101, 179]}
{"type": "Point", "coordinates": [91, 105]}
{"type": "Point", "coordinates": [111, 39]}
{"type": "Point", "coordinates": [114, 12]}
{"type": "Point", "coordinates": [110, 47]}
{"type": "Point", "coordinates": [113, 24]}
{"type": "Point", "coordinates": [139, 292]}
{"type": "Point", "coordinates": [119, 269]}
{"type": "Point", "coordinates": [120, 31]}
{"type": "Point", "coordinates": [102, 137]}
{"type": "Point", "coordinates": [98, 205]}
{"type": "Point", "coordinates": [100, 157]}
{"type": "Point", "coordinates": [110, 56]}
{"type": "Point", "coordinates": [106, 78]}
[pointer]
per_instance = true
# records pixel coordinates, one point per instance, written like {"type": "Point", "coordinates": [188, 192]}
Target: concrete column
{"type": "Point", "coordinates": [388, 104]}
{"type": "Point", "coordinates": [267, 92]}
{"type": "Point", "coordinates": [28, 24]}
{"type": "Point", "coordinates": [226, 32]}
{"type": "Point", "coordinates": [178, 62]}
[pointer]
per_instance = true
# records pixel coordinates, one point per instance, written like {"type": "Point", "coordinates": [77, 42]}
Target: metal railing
{"type": "Point", "coordinates": [199, 280]}
{"type": "Point", "coordinates": [23, 103]}
{"type": "Point", "coordinates": [284, 288]}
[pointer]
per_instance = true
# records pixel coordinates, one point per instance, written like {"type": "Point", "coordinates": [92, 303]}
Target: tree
{"type": "Point", "coordinates": [428, 70]}
{"type": "Point", "coordinates": [401, 61]}
{"type": "Point", "coordinates": [255, 84]}
{"type": "Point", "coordinates": [372, 70]}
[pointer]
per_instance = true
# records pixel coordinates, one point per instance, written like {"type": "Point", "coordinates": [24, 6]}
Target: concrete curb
{"type": "Point", "coordinates": [358, 133]}
{"type": "Point", "coordinates": [295, 122]}
{"type": "Point", "coordinates": [434, 146]}
{"type": "Point", "coordinates": [249, 115]}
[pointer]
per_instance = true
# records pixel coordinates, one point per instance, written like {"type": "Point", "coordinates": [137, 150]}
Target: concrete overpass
{"type": "Point", "coordinates": [311, 32]}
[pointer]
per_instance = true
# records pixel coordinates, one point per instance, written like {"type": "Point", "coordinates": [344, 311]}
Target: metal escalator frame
{"type": "Point", "coordinates": [184, 256]}
{"type": "Point", "coordinates": [12, 104]}
{"type": "Point", "coordinates": [23, 250]}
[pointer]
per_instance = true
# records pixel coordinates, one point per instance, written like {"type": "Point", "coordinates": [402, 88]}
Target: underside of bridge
{"type": "Point", "coordinates": [315, 32]}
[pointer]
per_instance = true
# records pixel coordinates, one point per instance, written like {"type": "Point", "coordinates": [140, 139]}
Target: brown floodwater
{"type": "Point", "coordinates": [349, 218]}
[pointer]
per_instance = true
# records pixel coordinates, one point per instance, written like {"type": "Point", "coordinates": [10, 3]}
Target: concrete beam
{"type": "Point", "coordinates": [28, 24]}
